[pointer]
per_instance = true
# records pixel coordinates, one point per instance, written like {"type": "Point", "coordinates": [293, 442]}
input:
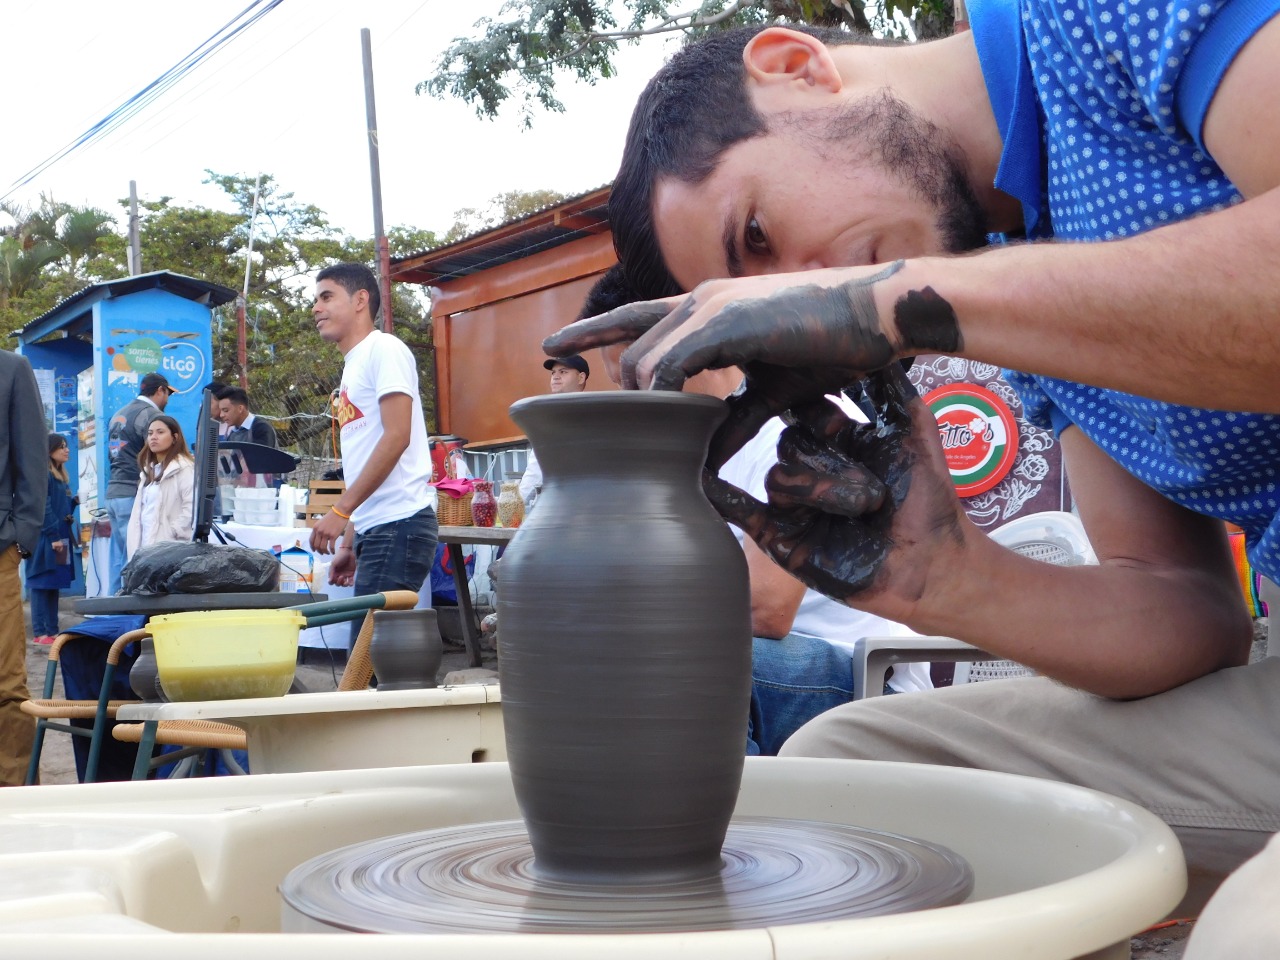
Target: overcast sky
{"type": "Point", "coordinates": [287, 97]}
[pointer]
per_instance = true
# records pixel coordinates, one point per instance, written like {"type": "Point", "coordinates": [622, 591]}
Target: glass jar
{"type": "Point", "coordinates": [510, 504]}
{"type": "Point", "coordinates": [484, 510]}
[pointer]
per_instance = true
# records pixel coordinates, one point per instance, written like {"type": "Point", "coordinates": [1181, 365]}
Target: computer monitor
{"type": "Point", "coordinates": [206, 454]}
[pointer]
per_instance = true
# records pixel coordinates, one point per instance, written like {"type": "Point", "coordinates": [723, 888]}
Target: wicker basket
{"type": "Point", "coordinates": [454, 512]}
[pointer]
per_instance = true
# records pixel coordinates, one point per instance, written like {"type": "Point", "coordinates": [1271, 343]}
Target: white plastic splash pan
{"type": "Point", "coordinates": [164, 869]}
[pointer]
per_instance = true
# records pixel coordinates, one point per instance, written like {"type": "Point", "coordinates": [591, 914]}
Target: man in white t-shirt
{"type": "Point", "coordinates": [383, 528]}
{"type": "Point", "coordinates": [568, 375]}
{"type": "Point", "coordinates": [800, 658]}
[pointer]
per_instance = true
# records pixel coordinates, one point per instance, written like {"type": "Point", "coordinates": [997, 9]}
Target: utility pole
{"type": "Point", "coordinates": [135, 237]}
{"type": "Point", "coordinates": [242, 301]}
{"type": "Point", "coordinates": [375, 177]}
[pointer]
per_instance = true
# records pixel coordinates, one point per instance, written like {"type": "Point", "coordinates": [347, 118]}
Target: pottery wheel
{"type": "Point", "coordinates": [479, 879]}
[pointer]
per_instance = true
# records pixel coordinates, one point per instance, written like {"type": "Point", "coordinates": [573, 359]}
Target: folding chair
{"type": "Point", "coordinates": [197, 737]}
{"type": "Point", "coordinates": [51, 712]}
{"type": "Point", "coordinates": [1052, 537]}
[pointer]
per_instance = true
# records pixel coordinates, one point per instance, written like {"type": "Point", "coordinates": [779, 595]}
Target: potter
{"type": "Point", "coordinates": [1146, 343]}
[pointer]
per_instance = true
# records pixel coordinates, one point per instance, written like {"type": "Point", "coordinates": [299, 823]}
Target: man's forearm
{"type": "Point", "coordinates": [1186, 314]}
{"type": "Point", "coordinates": [1122, 629]}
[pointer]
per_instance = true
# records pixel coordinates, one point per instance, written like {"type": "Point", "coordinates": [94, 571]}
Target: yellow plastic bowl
{"type": "Point", "coordinates": [226, 654]}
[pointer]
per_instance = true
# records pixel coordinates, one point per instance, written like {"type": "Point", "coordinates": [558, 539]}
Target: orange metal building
{"type": "Point", "coordinates": [495, 296]}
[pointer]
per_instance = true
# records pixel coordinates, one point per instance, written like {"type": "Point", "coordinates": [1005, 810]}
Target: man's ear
{"type": "Point", "coordinates": [777, 55]}
{"type": "Point", "coordinates": [360, 300]}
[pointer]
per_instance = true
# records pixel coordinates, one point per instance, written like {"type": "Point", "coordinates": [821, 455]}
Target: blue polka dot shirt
{"type": "Point", "coordinates": [1101, 105]}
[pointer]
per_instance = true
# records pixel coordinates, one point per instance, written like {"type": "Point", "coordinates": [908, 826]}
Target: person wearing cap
{"type": "Point", "coordinates": [568, 375]}
{"type": "Point", "coordinates": [127, 433]}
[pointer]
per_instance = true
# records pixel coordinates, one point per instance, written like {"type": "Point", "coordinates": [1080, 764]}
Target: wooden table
{"type": "Point", "coordinates": [454, 538]}
{"type": "Point", "coordinates": [349, 730]}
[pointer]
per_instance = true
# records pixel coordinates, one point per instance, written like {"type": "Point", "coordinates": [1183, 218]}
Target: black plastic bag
{"type": "Point", "coordinates": [176, 566]}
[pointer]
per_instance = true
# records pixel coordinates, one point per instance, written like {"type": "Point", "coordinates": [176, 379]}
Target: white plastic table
{"type": "Point", "coordinates": [350, 730]}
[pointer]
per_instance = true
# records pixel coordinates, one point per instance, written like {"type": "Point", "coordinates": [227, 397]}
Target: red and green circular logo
{"type": "Point", "coordinates": [979, 435]}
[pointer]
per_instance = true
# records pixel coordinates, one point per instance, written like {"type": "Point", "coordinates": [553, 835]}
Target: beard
{"type": "Point", "coordinates": [908, 147]}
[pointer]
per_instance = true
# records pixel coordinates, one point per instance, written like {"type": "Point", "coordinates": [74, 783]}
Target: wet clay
{"type": "Point", "coordinates": [927, 323]}
{"type": "Point", "coordinates": [479, 879]}
{"type": "Point", "coordinates": [406, 649]}
{"type": "Point", "coordinates": [626, 643]}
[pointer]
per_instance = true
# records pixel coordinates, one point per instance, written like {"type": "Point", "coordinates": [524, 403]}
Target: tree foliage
{"type": "Point", "coordinates": [504, 207]}
{"type": "Point", "coordinates": [519, 55]}
{"type": "Point", "coordinates": [44, 251]}
{"type": "Point", "coordinates": [49, 253]}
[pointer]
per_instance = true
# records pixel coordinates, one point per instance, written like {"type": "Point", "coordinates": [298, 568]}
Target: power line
{"type": "Point", "coordinates": [199, 94]}
{"type": "Point", "coordinates": [157, 88]}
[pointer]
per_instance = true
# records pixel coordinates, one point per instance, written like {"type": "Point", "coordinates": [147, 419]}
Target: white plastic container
{"type": "Point", "coordinates": [256, 516]}
{"type": "Point", "coordinates": [257, 496]}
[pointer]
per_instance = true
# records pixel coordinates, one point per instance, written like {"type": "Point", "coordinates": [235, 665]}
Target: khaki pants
{"type": "Point", "coordinates": [17, 730]}
{"type": "Point", "coordinates": [1204, 757]}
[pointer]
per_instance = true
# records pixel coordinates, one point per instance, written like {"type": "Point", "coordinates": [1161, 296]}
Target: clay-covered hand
{"type": "Point", "coordinates": [844, 317]}
{"type": "Point", "coordinates": [864, 513]}
{"type": "Point", "coordinates": [795, 336]}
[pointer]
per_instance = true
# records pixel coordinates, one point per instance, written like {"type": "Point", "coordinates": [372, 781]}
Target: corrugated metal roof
{"type": "Point", "coordinates": [558, 223]}
{"type": "Point", "coordinates": [73, 306]}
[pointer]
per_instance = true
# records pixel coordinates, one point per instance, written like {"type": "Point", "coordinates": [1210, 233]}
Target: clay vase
{"type": "Point", "coordinates": [626, 643]}
{"type": "Point", "coordinates": [406, 649]}
{"type": "Point", "coordinates": [144, 675]}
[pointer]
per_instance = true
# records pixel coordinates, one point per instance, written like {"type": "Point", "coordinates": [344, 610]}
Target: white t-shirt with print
{"type": "Point", "coordinates": [377, 366]}
{"type": "Point", "coordinates": [820, 616]}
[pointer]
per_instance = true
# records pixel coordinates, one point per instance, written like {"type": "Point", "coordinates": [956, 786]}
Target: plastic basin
{"type": "Point", "coordinates": [226, 654]}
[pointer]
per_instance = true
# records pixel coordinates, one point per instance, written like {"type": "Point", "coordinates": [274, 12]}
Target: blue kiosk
{"type": "Point", "coordinates": [90, 352]}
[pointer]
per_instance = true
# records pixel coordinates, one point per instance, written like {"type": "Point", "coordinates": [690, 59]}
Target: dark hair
{"type": "Point", "coordinates": [217, 386]}
{"type": "Point", "coordinates": [352, 277]}
{"type": "Point", "coordinates": [147, 459]}
{"type": "Point", "coordinates": [693, 110]}
{"type": "Point", "coordinates": [153, 382]}
{"type": "Point", "coordinates": [608, 293]}
{"type": "Point", "coordinates": [56, 442]}
{"type": "Point", "coordinates": [235, 395]}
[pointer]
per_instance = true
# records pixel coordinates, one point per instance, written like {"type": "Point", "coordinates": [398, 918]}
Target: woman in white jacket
{"type": "Point", "coordinates": [162, 509]}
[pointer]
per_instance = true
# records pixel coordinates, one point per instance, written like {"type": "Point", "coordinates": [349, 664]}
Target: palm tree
{"type": "Point", "coordinates": [78, 231]}
{"type": "Point", "coordinates": [42, 236]}
{"type": "Point", "coordinates": [21, 268]}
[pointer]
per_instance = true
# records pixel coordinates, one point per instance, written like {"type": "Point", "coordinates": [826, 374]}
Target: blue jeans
{"type": "Point", "coordinates": [44, 612]}
{"type": "Point", "coordinates": [118, 511]}
{"type": "Point", "coordinates": [394, 556]}
{"type": "Point", "coordinates": [792, 681]}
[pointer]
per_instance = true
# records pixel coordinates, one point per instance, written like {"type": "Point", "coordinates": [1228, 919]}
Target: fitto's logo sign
{"type": "Point", "coordinates": [979, 435]}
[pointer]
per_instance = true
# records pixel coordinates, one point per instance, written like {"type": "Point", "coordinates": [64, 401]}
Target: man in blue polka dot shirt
{"type": "Point", "coordinates": [820, 197]}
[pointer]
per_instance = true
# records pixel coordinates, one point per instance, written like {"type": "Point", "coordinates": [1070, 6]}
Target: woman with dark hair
{"type": "Point", "coordinates": [162, 509]}
{"type": "Point", "coordinates": [51, 568]}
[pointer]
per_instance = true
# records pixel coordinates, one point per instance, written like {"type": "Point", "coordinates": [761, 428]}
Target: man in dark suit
{"type": "Point", "coordinates": [24, 478]}
{"type": "Point", "coordinates": [233, 404]}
